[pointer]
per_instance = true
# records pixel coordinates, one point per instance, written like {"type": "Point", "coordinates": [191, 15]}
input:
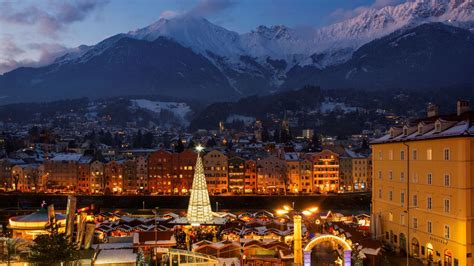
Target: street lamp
{"type": "Point", "coordinates": [297, 233]}
{"type": "Point", "coordinates": [155, 211]}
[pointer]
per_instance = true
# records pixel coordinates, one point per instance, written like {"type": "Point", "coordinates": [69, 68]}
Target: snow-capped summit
{"type": "Point", "coordinates": [375, 23]}
{"type": "Point", "coordinates": [193, 32]}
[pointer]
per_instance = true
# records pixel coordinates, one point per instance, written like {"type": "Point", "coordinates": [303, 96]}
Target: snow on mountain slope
{"type": "Point", "coordinates": [266, 54]}
{"type": "Point", "coordinates": [296, 46]}
{"type": "Point", "coordinates": [194, 32]}
{"type": "Point", "coordinates": [180, 110]}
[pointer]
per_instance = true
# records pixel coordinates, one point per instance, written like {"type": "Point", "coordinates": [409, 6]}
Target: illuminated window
{"type": "Point", "coordinates": [390, 155]}
{"type": "Point", "coordinates": [390, 216]}
{"type": "Point", "coordinates": [429, 154]}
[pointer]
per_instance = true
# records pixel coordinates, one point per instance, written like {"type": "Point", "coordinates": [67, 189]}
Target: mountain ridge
{"type": "Point", "coordinates": [261, 61]}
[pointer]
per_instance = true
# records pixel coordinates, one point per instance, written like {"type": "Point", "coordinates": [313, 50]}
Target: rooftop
{"type": "Point", "coordinates": [435, 127]}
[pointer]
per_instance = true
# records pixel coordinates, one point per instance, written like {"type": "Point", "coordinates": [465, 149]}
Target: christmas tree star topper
{"type": "Point", "coordinates": [199, 148]}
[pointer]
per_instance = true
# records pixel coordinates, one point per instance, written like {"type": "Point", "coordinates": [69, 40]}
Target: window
{"type": "Point", "coordinates": [415, 223]}
{"type": "Point", "coordinates": [390, 175]}
{"type": "Point", "coordinates": [402, 198]}
{"type": "Point", "coordinates": [414, 155]}
{"type": "Point", "coordinates": [390, 155]}
{"type": "Point", "coordinates": [429, 203]}
{"type": "Point", "coordinates": [415, 200]}
{"type": "Point", "coordinates": [429, 227]}
{"type": "Point", "coordinates": [390, 195]}
{"type": "Point", "coordinates": [447, 180]}
{"type": "Point", "coordinates": [429, 154]}
{"type": "Point", "coordinates": [380, 174]}
{"type": "Point", "coordinates": [380, 155]}
{"type": "Point", "coordinates": [446, 231]}
{"type": "Point", "coordinates": [390, 216]}
{"type": "Point", "coordinates": [380, 193]}
{"type": "Point", "coordinates": [447, 154]}
{"type": "Point", "coordinates": [447, 205]}
{"type": "Point", "coordinates": [415, 178]}
{"type": "Point", "coordinates": [402, 155]}
{"type": "Point", "coordinates": [402, 219]}
{"type": "Point", "coordinates": [402, 177]}
{"type": "Point", "coordinates": [429, 179]}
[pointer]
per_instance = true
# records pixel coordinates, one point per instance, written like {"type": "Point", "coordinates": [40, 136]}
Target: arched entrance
{"type": "Point", "coordinates": [448, 258]}
{"type": "Point", "coordinates": [323, 238]}
{"type": "Point", "coordinates": [429, 252]}
{"type": "Point", "coordinates": [403, 242]}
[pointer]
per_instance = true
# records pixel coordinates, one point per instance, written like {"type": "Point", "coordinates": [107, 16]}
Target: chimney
{"type": "Point", "coordinates": [462, 106]}
{"type": "Point", "coordinates": [432, 110]}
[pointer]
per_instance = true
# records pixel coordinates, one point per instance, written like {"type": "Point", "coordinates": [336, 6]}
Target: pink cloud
{"type": "Point", "coordinates": [49, 21]}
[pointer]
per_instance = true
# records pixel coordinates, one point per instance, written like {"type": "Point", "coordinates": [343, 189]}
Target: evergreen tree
{"type": "Point", "coordinates": [211, 142]}
{"type": "Point", "coordinates": [191, 144]}
{"type": "Point", "coordinates": [117, 140]}
{"type": "Point", "coordinates": [265, 135]}
{"type": "Point", "coordinates": [179, 146]}
{"type": "Point", "coordinates": [34, 133]}
{"type": "Point", "coordinates": [138, 140]}
{"type": "Point", "coordinates": [148, 140]}
{"type": "Point", "coordinates": [52, 248]}
{"type": "Point", "coordinates": [276, 136]}
{"type": "Point", "coordinates": [230, 144]}
{"type": "Point", "coordinates": [285, 136]}
{"type": "Point", "coordinates": [316, 142]}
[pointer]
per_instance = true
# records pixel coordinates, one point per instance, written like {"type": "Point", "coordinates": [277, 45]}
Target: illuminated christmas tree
{"type": "Point", "coordinates": [199, 208]}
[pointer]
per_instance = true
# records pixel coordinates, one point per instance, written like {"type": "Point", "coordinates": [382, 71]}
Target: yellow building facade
{"type": "Point", "coordinates": [423, 189]}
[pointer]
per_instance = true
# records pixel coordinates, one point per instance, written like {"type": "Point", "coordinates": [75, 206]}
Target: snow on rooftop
{"type": "Point", "coordinates": [66, 157]}
{"type": "Point", "coordinates": [116, 256]}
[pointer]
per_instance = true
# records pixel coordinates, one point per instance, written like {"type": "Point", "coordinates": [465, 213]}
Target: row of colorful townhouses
{"type": "Point", "coordinates": [164, 172]}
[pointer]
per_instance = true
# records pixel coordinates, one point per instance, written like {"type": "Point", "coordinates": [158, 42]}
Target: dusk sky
{"type": "Point", "coordinates": [34, 32]}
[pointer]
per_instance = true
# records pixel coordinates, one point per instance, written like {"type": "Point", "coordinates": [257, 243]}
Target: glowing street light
{"type": "Point", "coordinates": [297, 233]}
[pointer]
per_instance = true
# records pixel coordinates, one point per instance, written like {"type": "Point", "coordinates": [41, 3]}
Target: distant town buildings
{"type": "Point", "coordinates": [163, 172]}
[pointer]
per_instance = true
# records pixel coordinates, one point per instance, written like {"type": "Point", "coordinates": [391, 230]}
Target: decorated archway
{"type": "Point", "coordinates": [323, 238]}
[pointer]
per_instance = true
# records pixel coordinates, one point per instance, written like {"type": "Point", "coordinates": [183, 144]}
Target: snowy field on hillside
{"type": "Point", "coordinates": [235, 117]}
{"type": "Point", "coordinates": [329, 106]}
{"type": "Point", "coordinates": [180, 110]}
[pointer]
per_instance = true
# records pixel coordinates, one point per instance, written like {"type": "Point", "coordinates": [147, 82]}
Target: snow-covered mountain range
{"type": "Point", "coordinates": [296, 46]}
{"type": "Point", "coordinates": [261, 60]}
